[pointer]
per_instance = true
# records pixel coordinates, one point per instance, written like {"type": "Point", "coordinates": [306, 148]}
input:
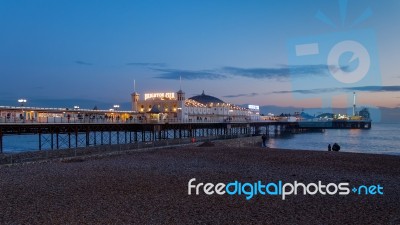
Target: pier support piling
{"type": "Point", "coordinates": [40, 141]}
{"type": "Point", "coordinates": [58, 136]}
{"type": "Point", "coordinates": [52, 141]}
{"type": "Point", "coordinates": [57, 143]}
{"type": "Point", "coordinates": [1, 141]}
{"type": "Point", "coordinates": [69, 139]}
{"type": "Point", "coordinates": [76, 139]}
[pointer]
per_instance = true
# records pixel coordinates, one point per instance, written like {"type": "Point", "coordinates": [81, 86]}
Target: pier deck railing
{"type": "Point", "coordinates": [63, 120]}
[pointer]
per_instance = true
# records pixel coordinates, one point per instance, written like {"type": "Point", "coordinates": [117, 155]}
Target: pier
{"type": "Point", "coordinates": [52, 136]}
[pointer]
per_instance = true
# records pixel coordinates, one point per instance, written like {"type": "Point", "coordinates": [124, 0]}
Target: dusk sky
{"type": "Point", "coordinates": [239, 51]}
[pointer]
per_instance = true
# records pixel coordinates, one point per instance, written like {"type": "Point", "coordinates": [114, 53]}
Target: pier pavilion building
{"type": "Point", "coordinates": [149, 108]}
{"type": "Point", "coordinates": [174, 106]}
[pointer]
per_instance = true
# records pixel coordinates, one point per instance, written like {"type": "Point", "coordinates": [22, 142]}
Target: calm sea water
{"type": "Point", "coordinates": [380, 139]}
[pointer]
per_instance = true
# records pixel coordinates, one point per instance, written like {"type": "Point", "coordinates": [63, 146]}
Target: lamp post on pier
{"type": "Point", "coordinates": [116, 107]}
{"type": "Point", "coordinates": [22, 101]}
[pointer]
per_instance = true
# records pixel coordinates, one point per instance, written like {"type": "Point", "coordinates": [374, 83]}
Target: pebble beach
{"type": "Point", "coordinates": [151, 187]}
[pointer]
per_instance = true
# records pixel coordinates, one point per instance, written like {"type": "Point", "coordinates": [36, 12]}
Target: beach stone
{"type": "Point", "coordinates": [150, 187]}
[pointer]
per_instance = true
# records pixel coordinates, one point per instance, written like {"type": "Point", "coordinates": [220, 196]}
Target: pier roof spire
{"type": "Point", "coordinates": [134, 88]}
{"type": "Point", "coordinates": [180, 82]}
{"type": "Point", "coordinates": [180, 85]}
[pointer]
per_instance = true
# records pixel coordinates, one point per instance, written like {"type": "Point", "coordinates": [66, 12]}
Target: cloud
{"type": "Point", "coordinates": [147, 64]}
{"type": "Point", "coordinates": [375, 88]}
{"type": "Point", "coordinates": [174, 74]}
{"type": "Point", "coordinates": [362, 88]}
{"type": "Point", "coordinates": [241, 95]}
{"type": "Point", "coordinates": [279, 73]}
{"type": "Point", "coordinates": [83, 63]}
{"type": "Point", "coordinates": [312, 91]}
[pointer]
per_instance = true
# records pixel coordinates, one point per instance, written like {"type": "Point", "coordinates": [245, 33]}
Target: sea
{"type": "Point", "coordinates": [382, 138]}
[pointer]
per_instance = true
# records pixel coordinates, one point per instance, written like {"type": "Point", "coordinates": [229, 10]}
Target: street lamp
{"type": "Point", "coordinates": [22, 101]}
{"type": "Point", "coordinates": [116, 107]}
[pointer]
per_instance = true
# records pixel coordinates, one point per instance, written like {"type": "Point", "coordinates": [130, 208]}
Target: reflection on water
{"type": "Point", "coordinates": [272, 143]}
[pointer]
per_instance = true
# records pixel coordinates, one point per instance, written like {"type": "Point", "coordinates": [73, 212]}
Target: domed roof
{"type": "Point", "coordinates": [206, 99]}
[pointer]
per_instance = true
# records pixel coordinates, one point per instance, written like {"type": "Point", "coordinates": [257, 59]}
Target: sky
{"type": "Point", "coordinates": [71, 52]}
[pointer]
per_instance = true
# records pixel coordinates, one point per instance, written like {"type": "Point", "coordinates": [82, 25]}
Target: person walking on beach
{"type": "Point", "coordinates": [264, 140]}
{"type": "Point", "coordinates": [329, 148]}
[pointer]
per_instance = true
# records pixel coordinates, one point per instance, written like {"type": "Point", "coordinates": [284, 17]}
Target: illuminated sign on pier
{"type": "Point", "coordinates": [168, 95]}
{"type": "Point", "coordinates": [254, 107]}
